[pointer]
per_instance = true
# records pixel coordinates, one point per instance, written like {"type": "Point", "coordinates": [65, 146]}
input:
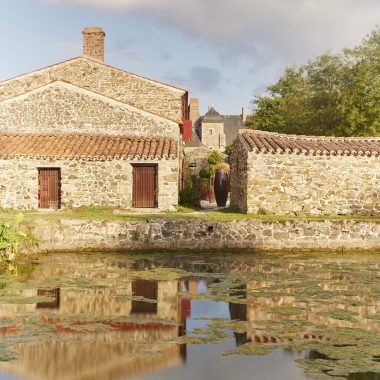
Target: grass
{"type": "Point", "coordinates": [226, 215]}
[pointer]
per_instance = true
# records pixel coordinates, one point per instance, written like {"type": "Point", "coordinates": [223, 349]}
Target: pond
{"type": "Point", "coordinates": [190, 316]}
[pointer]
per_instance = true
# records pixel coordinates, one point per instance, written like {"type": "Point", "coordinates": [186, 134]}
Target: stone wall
{"type": "Point", "coordinates": [217, 138]}
{"type": "Point", "coordinates": [238, 176]}
{"type": "Point", "coordinates": [184, 234]}
{"type": "Point", "coordinates": [164, 100]}
{"type": "Point", "coordinates": [306, 184]}
{"type": "Point", "coordinates": [63, 108]}
{"type": "Point", "coordinates": [83, 183]}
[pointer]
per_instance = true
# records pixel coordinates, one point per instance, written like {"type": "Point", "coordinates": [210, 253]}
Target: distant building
{"type": "Point", "coordinates": [213, 130]}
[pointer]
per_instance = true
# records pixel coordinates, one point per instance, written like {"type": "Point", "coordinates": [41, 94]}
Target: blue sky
{"type": "Point", "coordinates": [222, 51]}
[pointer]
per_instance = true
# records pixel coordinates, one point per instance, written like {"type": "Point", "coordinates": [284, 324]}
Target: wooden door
{"type": "Point", "coordinates": [49, 185]}
{"type": "Point", "coordinates": [144, 192]}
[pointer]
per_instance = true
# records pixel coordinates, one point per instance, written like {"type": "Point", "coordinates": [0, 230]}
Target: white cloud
{"type": "Point", "coordinates": [266, 29]}
{"type": "Point", "coordinates": [198, 79]}
{"type": "Point", "coordinates": [254, 39]}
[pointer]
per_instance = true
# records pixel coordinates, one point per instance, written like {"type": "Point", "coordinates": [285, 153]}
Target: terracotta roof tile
{"type": "Point", "coordinates": [90, 147]}
{"type": "Point", "coordinates": [268, 142]}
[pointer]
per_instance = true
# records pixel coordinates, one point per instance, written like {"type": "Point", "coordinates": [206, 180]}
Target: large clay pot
{"type": "Point", "coordinates": [221, 187]}
{"type": "Point", "coordinates": [204, 193]}
{"type": "Point", "coordinates": [211, 194]}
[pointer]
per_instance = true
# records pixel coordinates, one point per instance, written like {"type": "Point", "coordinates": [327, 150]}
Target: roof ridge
{"type": "Point", "coordinates": [294, 136]}
{"type": "Point", "coordinates": [94, 61]}
{"type": "Point", "coordinates": [125, 137]}
{"type": "Point", "coordinates": [309, 145]}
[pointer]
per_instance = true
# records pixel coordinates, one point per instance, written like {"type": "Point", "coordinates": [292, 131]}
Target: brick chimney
{"type": "Point", "coordinates": [194, 110]}
{"type": "Point", "coordinates": [244, 113]}
{"type": "Point", "coordinates": [93, 43]}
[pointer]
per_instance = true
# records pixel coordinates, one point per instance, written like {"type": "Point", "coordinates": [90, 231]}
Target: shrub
{"type": "Point", "coordinates": [190, 195]}
{"type": "Point", "coordinates": [229, 149]}
{"type": "Point", "coordinates": [223, 166]}
{"type": "Point", "coordinates": [12, 236]}
{"type": "Point", "coordinates": [214, 158]}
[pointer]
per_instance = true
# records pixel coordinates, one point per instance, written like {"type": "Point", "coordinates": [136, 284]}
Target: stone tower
{"type": "Point", "coordinates": [93, 43]}
{"type": "Point", "coordinates": [212, 130]}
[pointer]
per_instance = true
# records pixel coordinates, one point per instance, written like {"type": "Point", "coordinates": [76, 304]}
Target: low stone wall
{"type": "Point", "coordinates": [181, 234]}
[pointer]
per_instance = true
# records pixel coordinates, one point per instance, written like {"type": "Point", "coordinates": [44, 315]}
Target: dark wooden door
{"type": "Point", "coordinates": [144, 186]}
{"type": "Point", "coordinates": [49, 183]}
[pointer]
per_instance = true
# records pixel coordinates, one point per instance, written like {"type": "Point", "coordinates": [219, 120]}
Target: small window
{"type": "Point", "coordinates": [210, 131]}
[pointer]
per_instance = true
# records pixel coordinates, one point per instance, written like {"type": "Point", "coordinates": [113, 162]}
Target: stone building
{"type": "Point", "coordinates": [82, 133]}
{"type": "Point", "coordinates": [210, 132]}
{"type": "Point", "coordinates": [213, 130]}
{"type": "Point", "coordinates": [299, 175]}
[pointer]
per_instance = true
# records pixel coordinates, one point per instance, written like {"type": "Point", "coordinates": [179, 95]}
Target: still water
{"type": "Point", "coordinates": [186, 316]}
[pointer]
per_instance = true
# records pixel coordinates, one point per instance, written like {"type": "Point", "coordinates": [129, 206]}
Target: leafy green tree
{"type": "Point", "coordinates": [333, 95]}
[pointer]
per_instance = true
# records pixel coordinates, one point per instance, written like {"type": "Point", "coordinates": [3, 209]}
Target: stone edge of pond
{"type": "Point", "coordinates": [180, 235]}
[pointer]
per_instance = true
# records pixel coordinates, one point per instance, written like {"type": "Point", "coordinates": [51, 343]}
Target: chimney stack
{"type": "Point", "coordinates": [93, 43]}
{"type": "Point", "coordinates": [194, 110]}
{"type": "Point", "coordinates": [244, 113]}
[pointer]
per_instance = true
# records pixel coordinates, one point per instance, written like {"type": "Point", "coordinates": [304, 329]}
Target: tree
{"type": "Point", "coordinates": [333, 95]}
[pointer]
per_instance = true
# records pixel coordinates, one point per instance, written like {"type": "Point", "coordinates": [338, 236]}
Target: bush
{"type": "Point", "coordinates": [214, 158]}
{"type": "Point", "coordinates": [190, 195]}
{"type": "Point", "coordinates": [223, 166]}
{"type": "Point", "coordinates": [12, 236]}
{"type": "Point", "coordinates": [206, 172]}
{"type": "Point", "coordinates": [229, 149]}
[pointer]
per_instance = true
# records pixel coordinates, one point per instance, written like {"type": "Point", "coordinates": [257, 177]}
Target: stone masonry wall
{"type": "Point", "coordinates": [63, 108]}
{"type": "Point", "coordinates": [217, 140]}
{"type": "Point", "coordinates": [328, 185]}
{"type": "Point", "coordinates": [184, 234]}
{"type": "Point", "coordinates": [238, 176]}
{"type": "Point", "coordinates": [144, 93]}
{"type": "Point", "coordinates": [83, 183]}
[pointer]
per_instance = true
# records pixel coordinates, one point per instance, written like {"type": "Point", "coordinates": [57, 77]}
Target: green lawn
{"type": "Point", "coordinates": [107, 213]}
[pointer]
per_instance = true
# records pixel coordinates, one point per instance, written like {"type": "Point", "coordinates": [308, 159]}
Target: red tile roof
{"type": "Point", "coordinates": [88, 147]}
{"type": "Point", "coordinates": [268, 142]}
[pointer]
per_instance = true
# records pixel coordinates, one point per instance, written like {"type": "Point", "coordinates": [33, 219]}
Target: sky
{"type": "Point", "coordinates": [224, 52]}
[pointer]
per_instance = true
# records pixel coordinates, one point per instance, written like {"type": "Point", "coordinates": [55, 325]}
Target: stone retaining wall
{"type": "Point", "coordinates": [181, 234]}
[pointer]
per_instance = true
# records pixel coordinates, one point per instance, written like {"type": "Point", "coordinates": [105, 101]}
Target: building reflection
{"type": "Point", "coordinates": [103, 325]}
{"type": "Point", "coordinates": [125, 329]}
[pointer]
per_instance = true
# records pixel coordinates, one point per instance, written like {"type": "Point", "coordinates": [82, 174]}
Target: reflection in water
{"type": "Point", "coordinates": [146, 289]}
{"type": "Point", "coordinates": [54, 294]}
{"type": "Point", "coordinates": [101, 317]}
{"type": "Point", "coordinates": [364, 376]}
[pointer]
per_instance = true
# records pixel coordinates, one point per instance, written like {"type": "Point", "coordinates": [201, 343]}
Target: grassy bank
{"type": "Point", "coordinates": [107, 213]}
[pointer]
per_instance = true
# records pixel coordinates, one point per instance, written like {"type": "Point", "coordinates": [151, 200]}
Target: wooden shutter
{"type": "Point", "coordinates": [144, 186]}
{"type": "Point", "coordinates": [49, 186]}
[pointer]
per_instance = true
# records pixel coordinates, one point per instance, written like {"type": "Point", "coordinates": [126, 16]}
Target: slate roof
{"type": "Point", "coordinates": [232, 125]}
{"type": "Point", "coordinates": [87, 147]}
{"type": "Point", "coordinates": [195, 141]}
{"type": "Point", "coordinates": [212, 116]}
{"type": "Point", "coordinates": [267, 142]}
